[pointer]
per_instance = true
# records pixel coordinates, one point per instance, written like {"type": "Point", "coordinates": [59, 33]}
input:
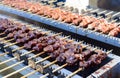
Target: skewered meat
{"type": "Point", "coordinates": [62, 50]}
{"type": "Point", "coordinates": [58, 14]}
{"type": "Point", "coordinates": [115, 31]}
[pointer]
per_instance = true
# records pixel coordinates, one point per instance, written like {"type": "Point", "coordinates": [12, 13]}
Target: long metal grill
{"type": "Point", "coordinates": [39, 65]}
{"type": "Point", "coordinates": [87, 29]}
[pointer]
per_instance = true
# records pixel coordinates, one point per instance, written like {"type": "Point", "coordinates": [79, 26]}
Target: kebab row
{"type": "Point", "coordinates": [59, 49]}
{"type": "Point", "coordinates": [89, 22]}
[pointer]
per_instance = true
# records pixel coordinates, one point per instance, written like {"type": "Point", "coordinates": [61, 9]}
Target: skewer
{"type": "Point", "coordinates": [12, 51]}
{"type": "Point", "coordinates": [8, 60]}
{"type": "Point", "coordinates": [2, 33]}
{"type": "Point", "coordinates": [102, 12]}
{"type": "Point", "coordinates": [14, 57]}
{"type": "Point", "coordinates": [11, 66]}
{"type": "Point", "coordinates": [94, 10]}
{"type": "Point", "coordinates": [8, 40]}
{"type": "Point", "coordinates": [24, 68]}
{"type": "Point", "coordinates": [113, 21]}
{"type": "Point", "coordinates": [47, 66]}
{"type": "Point", "coordinates": [116, 14]}
{"type": "Point", "coordinates": [18, 48]}
{"type": "Point", "coordinates": [44, 76]}
{"type": "Point", "coordinates": [43, 59]}
{"type": "Point", "coordinates": [21, 61]}
{"type": "Point", "coordinates": [50, 64]}
{"type": "Point", "coordinates": [17, 42]}
{"type": "Point", "coordinates": [16, 71]}
{"type": "Point", "coordinates": [36, 55]}
{"type": "Point", "coordinates": [65, 37]}
{"type": "Point", "coordinates": [70, 75]}
{"type": "Point", "coordinates": [28, 52]}
{"type": "Point", "coordinates": [59, 68]}
{"type": "Point", "coordinates": [30, 73]}
{"type": "Point", "coordinates": [39, 69]}
{"type": "Point", "coordinates": [4, 53]}
{"type": "Point", "coordinates": [11, 44]}
{"type": "Point", "coordinates": [57, 34]}
{"type": "Point", "coordinates": [109, 13]}
{"type": "Point", "coordinates": [108, 52]}
{"type": "Point", "coordinates": [2, 38]}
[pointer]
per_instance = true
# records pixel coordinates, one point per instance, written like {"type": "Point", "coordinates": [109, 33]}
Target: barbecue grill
{"type": "Point", "coordinates": [72, 28]}
{"type": "Point", "coordinates": [31, 64]}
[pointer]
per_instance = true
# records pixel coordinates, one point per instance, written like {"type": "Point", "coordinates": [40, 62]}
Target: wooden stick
{"type": "Point", "coordinates": [2, 38]}
{"type": "Point", "coordinates": [43, 59]}
{"type": "Point", "coordinates": [72, 74]}
{"type": "Point", "coordinates": [2, 33]}
{"type": "Point", "coordinates": [57, 34]}
{"type": "Point", "coordinates": [4, 53]}
{"type": "Point", "coordinates": [28, 52]}
{"type": "Point", "coordinates": [108, 52]}
{"type": "Point", "coordinates": [50, 64]}
{"type": "Point", "coordinates": [2, 70]}
{"type": "Point", "coordinates": [18, 48]}
{"type": "Point", "coordinates": [25, 76]}
{"type": "Point", "coordinates": [8, 60]}
{"type": "Point", "coordinates": [36, 55]}
{"type": "Point", "coordinates": [44, 76]}
{"type": "Point", "coordinates": [16, 72]}
{"type": "Point", "coordinates": [8, 40]}
{"type": "Point", "coordinates": [59, 68]}
{"type": "Point", "coordinates": [10, 44]}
